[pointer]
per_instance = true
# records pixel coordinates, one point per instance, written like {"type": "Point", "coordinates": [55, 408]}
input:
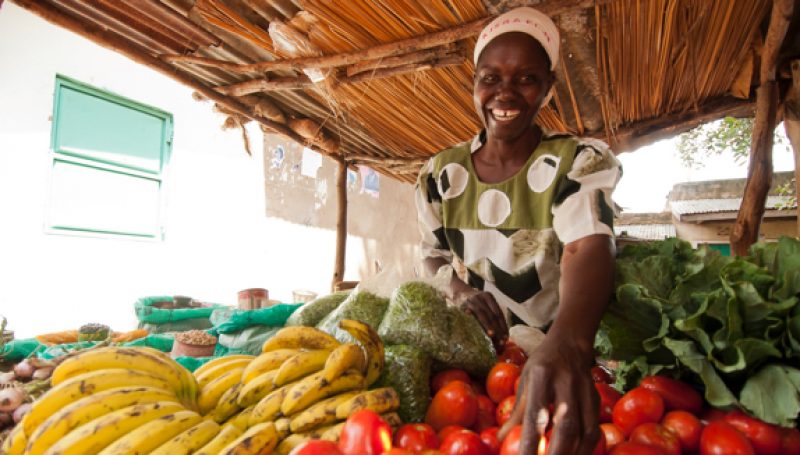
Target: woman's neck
{"type": "Point", "coordinates": [498, 159]}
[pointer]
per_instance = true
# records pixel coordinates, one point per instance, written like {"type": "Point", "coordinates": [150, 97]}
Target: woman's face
{"type": "Point", "coordinates": [512, 78]}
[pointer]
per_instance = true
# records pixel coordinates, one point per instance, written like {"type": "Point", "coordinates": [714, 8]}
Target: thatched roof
{"type": "Point", "coordinates": [397, 83]}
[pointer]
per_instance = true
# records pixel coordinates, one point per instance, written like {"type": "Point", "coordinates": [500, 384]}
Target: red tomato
{"type": "Point", "coordinates": [635, 448]}
{"type": "Point", "coordinates": [600, 374]}
{"type": "Point", "coordinates": [486, 411]}
{"type": "Point", "coordinates": [416, 437]}
{"type": "Point", "coordinates": [686, 427]}
{"type": "Point", "coordinates": [765, 438]}
{"type": "Point", "coordinates": [720, 438]}
{"type": "Point", "coordinates": [637, 407]}
{"type": "Point", "coordinates": [431, 452]}
{"type": "Point", "coordinates": [676, 394]}
{"type": "Point", "coordinates": [711, 415]}
{"type": "Point", "coordinates": [316, 447]}
{"type": "Point", "coordinates": [503, 411]}
{"type": "Point", "coordinates": [513, 354]}
{"type": "Point", "coordinates": [445, 377]}
{"type": "Point", "coordinates": [653, 434]}
{"type": "Point", "coordinates": [489, 438]}
{"type": "Point", "coordinates": [365, 433]}
{"type": "Point", "coordinates": [453, 404]}
{"type": "Point", "coordinates": [444, 432]}
{"type": "Point", "coordinates": [611, 434]}
{"type": "Point", "coordinates": [500, 382]}
{"type": "Point", "coordinates": [516, 385]}
{"type": "Point", "coordinates": [478, 387]}
{"type": "Point", "coordinates": [511, 442]}
{"type": "Point", "coordinates": [790, 441]}
{"type": "Point", "coordinates": [464, 442]}
{"type": "Point", "coordinates": [608, 398]}
{"type": "Point", "coordinates": [397, 451]}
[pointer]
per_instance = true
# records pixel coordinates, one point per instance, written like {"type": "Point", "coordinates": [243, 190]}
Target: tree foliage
{"type": "Point", "coordinates": [729, 135]}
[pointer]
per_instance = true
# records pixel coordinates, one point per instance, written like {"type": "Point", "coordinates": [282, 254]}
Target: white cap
{"type": "Point", "coordinates": [526, 20]}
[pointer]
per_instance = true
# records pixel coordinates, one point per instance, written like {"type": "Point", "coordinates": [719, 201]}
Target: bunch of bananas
{"type": "Point", "coordinates": [305, 383]}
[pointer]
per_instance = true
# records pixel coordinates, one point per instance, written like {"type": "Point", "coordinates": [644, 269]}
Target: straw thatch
{"type": "Point", "coordinates": [389, 82]}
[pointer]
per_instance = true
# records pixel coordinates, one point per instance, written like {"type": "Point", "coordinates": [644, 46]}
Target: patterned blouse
{"type": "Point", "coordinates": [510, 234]}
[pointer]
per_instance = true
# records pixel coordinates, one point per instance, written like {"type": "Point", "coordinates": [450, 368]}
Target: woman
{"type": "Point", "coordinates": [530, 216]}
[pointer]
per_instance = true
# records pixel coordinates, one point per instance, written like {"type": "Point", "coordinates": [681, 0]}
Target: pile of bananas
{"type": "Point", "coordinates": [305, 383]}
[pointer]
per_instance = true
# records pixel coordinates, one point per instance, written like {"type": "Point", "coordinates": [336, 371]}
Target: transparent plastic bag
{"type": "Point", "coordinates": [407, 370]}
{"type": "Point", "coordinates": [313, 312]}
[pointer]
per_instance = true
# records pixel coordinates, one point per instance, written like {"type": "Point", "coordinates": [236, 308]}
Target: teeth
{"type": "Point", "coordinates": [505, 114]}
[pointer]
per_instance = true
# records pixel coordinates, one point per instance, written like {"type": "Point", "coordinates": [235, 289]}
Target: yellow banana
{"type": "Point", "coordinates": [257, 389]}
{"type": "Point", "coordinates": [269, 408]}
{"type": "Point", "coordinates": [266, 362]}
{"type": "Point", "coordinates": [301, 365]}
{"type": "Point", "coordinates": [378, 400]}
{"type": "Point", "coordinates": [14, 444]}
{"type": "Point", "coordinates": [331, 433]}
{"type": "Point", "coordinates": [226, 406]}
{"type": "Point", "coordinates": [190, 440]}
{"type": "Point", "coordinates": [89, 408]}
{"type": "Point", "coordinates": [226, 435]}
{"type": "Point", "coordinates": [242, 419]}
{"type": "Point", "coordinates": [85, 385]}
{"type": "Point", "coordinates": [315, 388]}
{"type": "Point", "coordinates": [152, 434]}
{"type": "Point", "coordinates": [259, 439]}
{"type": "Point", "coordinates": [393, 420]}
{"type": "Point", "coordinates": [282, 427]}
{"type": "Point", "coordinates": [320, 414]}
{"type": "Point", "coordinates": [94, 436]}
{"type": "Point", "coordinates": [345, 357]}
{"type": "Point", "coordinates": [299, 337]}
{"type": "Point", "coordinates": [205, 378]}
{"type": "Point", "coordinates": [220, 361]}
{"type": "Point", "coordinates": [187, 378]}
{"type": "Point", "coordinates": [289, 443]}
{"type": "Point", "coordinates": [210, 394]}
{"type": "Point", "coordinates": [372, 344]}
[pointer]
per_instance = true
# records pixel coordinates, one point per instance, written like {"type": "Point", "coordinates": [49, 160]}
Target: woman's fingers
{"type": "Point", "coordinates": [536, 413]}
{"type": "Point", "coordinates": [590, 404]}
{"type": "Point", "coordinates": [480, 306]}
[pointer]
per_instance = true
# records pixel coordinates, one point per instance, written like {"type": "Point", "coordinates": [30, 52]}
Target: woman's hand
{"type": "Point", "coordinates": [558, 373]}
{"type": "Point", "coordinates": [485, 309]}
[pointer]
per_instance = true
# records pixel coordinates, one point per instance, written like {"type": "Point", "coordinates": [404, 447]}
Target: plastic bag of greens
{"type": "Point", "coordinates": [361, 306]}
{"type": "Point", "coordinates": [407, 370]}
{"type": "Point", "coordinates": [416, 316]}
{"type": "Point", "coordinates": [311, 313]}
{"type": "Point", "coordinates": [469, 347]}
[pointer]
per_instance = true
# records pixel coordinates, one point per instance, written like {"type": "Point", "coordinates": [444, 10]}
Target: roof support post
{"type": "Point", "coordinates": [341, 223]}
{"type": "Point", "coordinates": [759, 174]}
{"type": "Point", "coordinates": [791, 122]}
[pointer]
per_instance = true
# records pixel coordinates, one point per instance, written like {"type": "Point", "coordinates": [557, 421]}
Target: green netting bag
{"type": "Point", "coordinates": [407, 370]}
{"type": "Point", "coordinates": [161, 320]}
{"type": "Point", "coordinates": [59, 350]}
{"type": "Point", "coordinates": [230, 320]}
{"type": "Point", "coordinates": [361, 306]}
{"type": "Point", "coordinates": [247, 341]}
{"type": "Point", "coordinates": [16, 350]}
{"type": "Point", "coordinates": [311, 313]}
{"type": "Point", "coordinates": [161, 341]}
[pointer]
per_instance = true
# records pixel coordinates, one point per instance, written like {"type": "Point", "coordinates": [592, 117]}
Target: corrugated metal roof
{"type": "Point", "coordinates": [698, 206]}
{"type": "Point", "coordinates": [646, 231]}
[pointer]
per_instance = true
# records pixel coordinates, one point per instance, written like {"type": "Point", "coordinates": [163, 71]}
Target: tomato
{"type": "Point", "coordinates": [397, 451]}
{"type": "Point", "coordinates": [657, 435]}
{"type": "Point", "coordinates": [676, 394]}
{"type": "Point", "coordinates": [431, 452]}
{"type": "Point", "coordinates": [416, 437]}
{"type": "Point", "coordinates": [600, 374]}
{"type": "Point", "coordinates": [765, 438]}
{"type": "Point", "coordinates": [500, 382]}
{"type": "Point", "coordinates": [516, 385]}
{"type": "Point", "coordinates": [608, 398]}
{"type": "Point", "coordinates": [513, 354]}
{"type": "Point", "coordinates": [504, 409]}
{"type": "Point", "coordinates": [635, 448]}
{"type": "Point", "coordinates": [790, 441]}
{"type": "Point", "coordinates": [611, 434]}
{"type": "Point", "coordinates": [316, 447]}
{"type": "Point", "coordinates": [511, 442]}
{"type": "Point", "coordinates": [686, 427]}
{"type": "Point", "coordinates": [444, 377]}
{"type": "Point", "coordinates": [478, 387]}
{"type": "Point", "coordinates": [637, 407]}
{"type": "Point", "coordinates": [444, 432]}
{"type": "Point", "coordinates": [711, 415]}
{"type": "Point", "coordinates": [453, 404]}
{"type": "Point", "coordinates": [489, 437]}
{"type": "Point", "coordinates": [365, 433]}
{"type": "Point", "coordinates": [464, 442]}
{"type": "Point", "coordinates": [720, 438]}
{"type": "Point", "coordinates": [486, 411]}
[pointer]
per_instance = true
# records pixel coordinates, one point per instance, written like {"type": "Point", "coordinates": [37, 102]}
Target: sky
{"type": "Point", "coordinates": [650, 172]}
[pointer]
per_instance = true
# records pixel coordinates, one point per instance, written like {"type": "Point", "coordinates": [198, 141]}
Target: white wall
{"type": "Point", "coordinates": [218, 239]}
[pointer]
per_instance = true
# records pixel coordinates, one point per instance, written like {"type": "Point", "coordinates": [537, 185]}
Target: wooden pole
{"type": "Point", "coordinates": [791, 123]}
{"type": "Point", "coordinates": [759, 174]}
{"type": "Point", "coordinates": [341, 224]}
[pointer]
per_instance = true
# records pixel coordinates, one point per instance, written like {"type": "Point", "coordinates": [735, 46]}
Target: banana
{"type": "Point", "coordinates": [378, 400]}
{"type": "Point", "coordinates": [85, 385]}
{"type": "Point", "coordinates": [282, 427]}
{"type": "Point", "coordinates": [331, 433]}
{"type": "Point", "coordinates": [300, 337]}
{"type": "Point", "coordinates": [259, 439]}
{"type": "Point", "coordinates": [220, 361]}
{"type": "Point", "coordinates": [242, 419]}
{"type": "Point", "coordinates": [289, 443]}
{"type": "Point", "coordinates": [211, 393]}
{"type": "Point", "coordinates": [14, 444]}
{"type": "Point", "coordinates": [226, 435]}
{"type": "Point", "coordinates": [187, 378]}
{"type": "Point", "coordinates": [89, 408]}
{"type": "Point", "coordinates": [315, 388]}
{"type": "Point", "coordinates": [372, 344]}
{"type": "Point", "coordinates": [152, 434]}
{"type": "Point", "coordinates": [269, 408]}
{"type": "Point", "coordinates": [393, 420]}
{"type": "Point", "coordinates": [226, 406]}
{"type": "Point", "coordinates": [345, 357]}
{"type": "Point", "coordinates": [190, 440]}
{"type": "Point", "coordinates": [322, 413]}
{"type": "Point", "coordinates": [257, 389]}
{"type": "Point", "coordinates": [266, 362]}
{"type": "Point", "coordinates": [301, 365]}
{"type": "Point", "coordinates": [205, 378]}
{"type": "Point", "coordinates": [102, 431]}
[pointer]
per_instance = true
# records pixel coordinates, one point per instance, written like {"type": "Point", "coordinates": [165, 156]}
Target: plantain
{"type": "Point", "coordinates": [257, 389]}
{"type": "Point", "coordinates": [282, 427]}
{"type": "Point", "coordinates": [203, 379]}
{"type": "Point", "coordinates": [345, 357]}
{"type": "Point", "coordinates": [190, 440]}
{"type": "Point", "coordinates": [320, 414]}
{"type": "Point", "coordinates": [227, 405]}
{"type": "Point", "coordinates": [315, 388]}
{"type": "Point", "coordinates": [211, 393]}
{"type": "Point", "coordinates": [152, 434]}
{"type": "Point", "coordinates": [226, 435]}
{"type": "Point", "coordinates": [267, 361]}
{"type": "Point", "coordinates": [393, 419]}
{"type": "Point", "coordinates": [299, 337]}
{"type": "Point", "coordinates": [269, 408]}
{"type": "Point", "coordinates": [379, 400]}
{"type": "Point", "coordinates": [371, 342]}
{"type": "Point", "coordinates": [261, 438]}
{"type": "Point", "coordinates": [242, 418]}
{"type": "Point", "coordinates": [289, 443]}
{"type": "Point", "coordinates": [301, 365]}
{"type": "Point", "coordinates": [213, 363]}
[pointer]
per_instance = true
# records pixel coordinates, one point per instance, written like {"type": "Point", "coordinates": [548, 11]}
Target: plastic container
{"type": "Point", "coordinates": [253, 299]}
{"type": "Point", "coordinates": [303, 296]}
{"type": "Point", "coordinates": [183, 348]}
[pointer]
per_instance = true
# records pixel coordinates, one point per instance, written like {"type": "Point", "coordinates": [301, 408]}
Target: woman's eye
{"type": "Point", "coordinates": [529, 79]}
{"type": "Point", "coordinates": [488, 78]}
